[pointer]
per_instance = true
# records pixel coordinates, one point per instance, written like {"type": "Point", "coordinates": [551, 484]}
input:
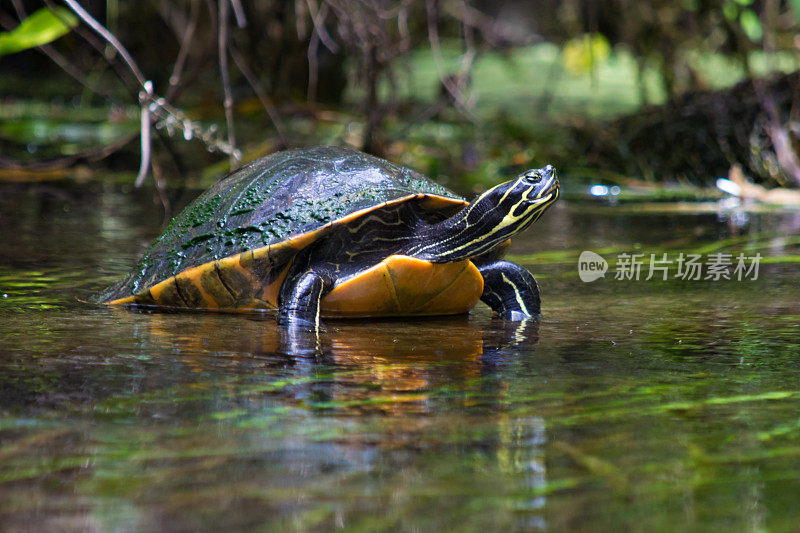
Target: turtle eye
{"type": "Point", "coordinates": [533, 177]}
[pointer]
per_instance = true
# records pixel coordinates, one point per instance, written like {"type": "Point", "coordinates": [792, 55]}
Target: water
{"type": "Point", "coordinates": [634, 404]}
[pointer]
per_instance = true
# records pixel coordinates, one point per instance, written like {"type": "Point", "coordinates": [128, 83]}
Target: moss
{"type": "Point", "coordinates": [272, 198]}
{"type": "Point", "coordinates": [197, 240]}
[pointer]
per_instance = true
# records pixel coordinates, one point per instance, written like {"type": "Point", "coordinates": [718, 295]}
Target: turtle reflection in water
{"type": "Point", "coordinates": [365, 360]}
{"type": "Point", "coordinates": [335, 232]}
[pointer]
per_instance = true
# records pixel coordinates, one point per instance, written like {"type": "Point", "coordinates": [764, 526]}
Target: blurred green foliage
{"type": "Point", "coordinates": [41, 27]}
{"type": "Point", "coordinates": [468, 89]}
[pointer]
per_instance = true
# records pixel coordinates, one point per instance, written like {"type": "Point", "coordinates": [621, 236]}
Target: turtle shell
{"type": "Point", "coordinates": [244, 230]}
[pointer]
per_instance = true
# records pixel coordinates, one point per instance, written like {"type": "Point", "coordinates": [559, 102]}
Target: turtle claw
{"type": "Point", "coordinates": [514, 315]}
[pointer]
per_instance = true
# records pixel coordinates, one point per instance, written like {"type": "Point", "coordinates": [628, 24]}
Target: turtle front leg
{"type": "Point", "coordinates": [510, 290]}
{"type": "Point", "coordinates": [300, 299]}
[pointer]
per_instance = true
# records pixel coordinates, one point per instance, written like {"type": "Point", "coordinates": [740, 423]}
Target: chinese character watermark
{"type": "Point", "coordinates": [689, 267]}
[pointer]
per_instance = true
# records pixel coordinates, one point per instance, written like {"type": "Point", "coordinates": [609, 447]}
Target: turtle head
{"type": "Point", "coordinates": [496, 215]}
{"type": "Point", "coordinates": [514, 205]}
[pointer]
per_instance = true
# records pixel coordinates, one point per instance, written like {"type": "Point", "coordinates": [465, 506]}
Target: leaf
{"type": "Point", "coordinates": [751, 25]}
{"type": "Point", "coordinates": [41, 27]}
{"type": "Point", "coordinates": [584, 52]}
{"type": "Point", "coordinates": [730, 10]}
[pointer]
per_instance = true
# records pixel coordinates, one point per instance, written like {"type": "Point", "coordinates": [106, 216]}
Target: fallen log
{"type": "Point", "coordinates": [699, 136]}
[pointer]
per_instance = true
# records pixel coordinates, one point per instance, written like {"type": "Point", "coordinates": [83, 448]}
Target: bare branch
{"type": "Point", "coordinates": [55, 56]}
{"type": "Point", "coordinates": [269, 107]}
{"type": "Point", "coordinates": [161, 191]}
{"type": "Point", "coordinates": [109, 37]}
{"type": "Point", "coordinates": [222, 45]}
{"type": "Point", "coordinates": [154, 110]}
{"type": "Point", "coordinates": [173, 119]}
{"type": "Point", "coordinates": [93, 154]}
{"type": "Point", "coordinates": [781, 141]}
{"type": "Point", "coordinates": [123, 72]}
{"type": "Point", "coordinates": [318, 19]}
{"type": "Point", "coordinates": [486, 25]}
{"type": "Point", "coordinates": [313, 68]}
{"type": "Point", "coordinates": [454, 85]}
{"type": "Point", "coordinates": [183, 53]}
{"type": "Point", "coordinates": [144, 163]}
{"type": "Point", "coordinates": [238, 12]}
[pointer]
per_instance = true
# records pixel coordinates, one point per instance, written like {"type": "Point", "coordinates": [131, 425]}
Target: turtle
{"type": "Point", "coordinates": [334, 232]}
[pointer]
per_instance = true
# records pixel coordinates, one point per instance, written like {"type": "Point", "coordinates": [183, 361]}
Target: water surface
{"type": "Point", "coordinates": [633, 404]}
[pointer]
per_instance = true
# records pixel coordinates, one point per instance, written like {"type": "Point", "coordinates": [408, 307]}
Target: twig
{"type": "Point", "coordinates": [183, 53]}
{"type": "Point", "coordinates": [318, 34]}
{"type": "Point", "coordinates": [222, 45]}
{"type": "Point", "coordinates": [154, 110]}
{"type": "Point", "coordinates": [784, 149]}
{"type": "Point", "coordinates": [238, 13]}
{"type": "Point", "coordinates": [455, 89]}
{"type": "Point", "coordinates": [205, 46]}
{"type": "Point", "coordinates": [158, 109]}
{"type": "Point", "coordinates": [161, 191]}
{"type": "Point", "coordinates": [372, 144]}
{"type": "Point", "coordinates": [266, 103]}
{"type": "Point", "coordinates": [313, 68]}
{"type": "Point", "coordinates": [170, 118]}
{"type": "Point", "coordinates": [109, 37]}
{"type": "Point", "coordinates": [101, 47]}
{"type": "Point", "coordinates": [480, 21]}
{"type": "Point", "coordinates": [318, 19]}
{"type": "Point", "coordinates": [787, 158]}
{"type": "Point", "coordinates": [94, 154]}
{"type": "Point", "coordinates": [468, 57]}
{"type": "Point", "coordinates": [144, 162]}
{"type": "Point", "coordinates": [55, 56]}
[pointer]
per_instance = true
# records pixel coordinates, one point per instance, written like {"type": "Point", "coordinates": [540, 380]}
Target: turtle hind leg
{"type": "Point", "coordinates": [300, 299]}
{"type": "Point", "coordinates": [510, 290]}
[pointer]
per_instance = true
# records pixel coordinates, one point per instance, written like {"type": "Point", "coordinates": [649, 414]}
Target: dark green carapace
{"type": "Point", "coordinates": [268, 200]}
{"type": "Point", "coordinates": [337, 232]}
